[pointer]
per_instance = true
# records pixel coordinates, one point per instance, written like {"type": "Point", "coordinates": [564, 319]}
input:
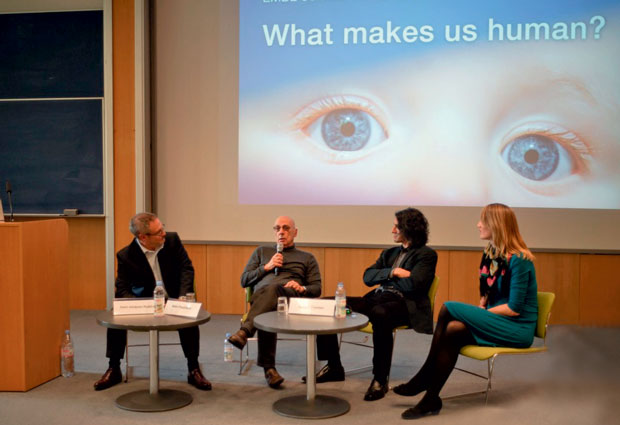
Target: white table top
{"type": "Point", "coordinates": [148, 322]}
{"type": "Point", "coordinates": [308, 325]}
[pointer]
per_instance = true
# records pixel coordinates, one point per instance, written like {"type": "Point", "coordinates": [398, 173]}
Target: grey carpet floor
{"type": "Point", "coordinates": [576, 382]}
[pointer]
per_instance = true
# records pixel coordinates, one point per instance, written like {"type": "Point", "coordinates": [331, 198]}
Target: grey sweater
{"type": "Point", "coordinates": [299, 266]}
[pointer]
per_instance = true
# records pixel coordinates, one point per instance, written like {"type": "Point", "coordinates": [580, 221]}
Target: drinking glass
{"type": "Point", "coordinates": [282, 305]}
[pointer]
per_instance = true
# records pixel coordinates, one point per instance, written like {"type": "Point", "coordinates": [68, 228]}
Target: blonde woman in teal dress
{"type": "Point", "coordinates": [505, 316]}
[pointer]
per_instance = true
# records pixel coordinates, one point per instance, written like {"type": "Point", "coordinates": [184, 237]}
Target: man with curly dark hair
{"type": "Point", "coordinates": [404, 275]}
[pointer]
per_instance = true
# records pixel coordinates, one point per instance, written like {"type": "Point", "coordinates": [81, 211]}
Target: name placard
{"type": "Point", "coordinates": [182, 308]}
{"type": "Point", "coordinates": [311, 307]}
{"type": "Point", "coordinates": [126, 306]}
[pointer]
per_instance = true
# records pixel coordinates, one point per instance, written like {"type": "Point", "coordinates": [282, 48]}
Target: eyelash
{"type": "Point", "coordinates": [537, 137]}
{"type": "Point", "coordinates": [308, 114]}
{"type": "Point", "coordinates": [361, 114]}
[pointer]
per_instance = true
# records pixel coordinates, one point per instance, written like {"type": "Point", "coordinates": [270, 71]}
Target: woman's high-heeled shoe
{"type": "Point", "coordinates": [426, 406]}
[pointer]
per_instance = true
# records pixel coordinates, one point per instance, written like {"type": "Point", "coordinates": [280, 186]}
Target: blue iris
{"type": "Point", "coordinates": [346, 129]}
{"type": "Point", "coordinates": [534, 157]}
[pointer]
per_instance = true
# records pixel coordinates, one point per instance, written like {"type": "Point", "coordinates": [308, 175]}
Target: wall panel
{"type": "Point", "coordinates": [87, 274]}
{"type": "Point", "coordinates": [587, 287]}
{"type": "Point", "coordinates": [559, 273]}
{"type": "Point", "coordinates": [599, 292]}
{"type": "Point", "coordinates": [198, 255]}
{"type": "Point", "coordinates": [463, 282]}
{"type": "Point", "coordinates": [124, 120]}
{"type": "Point", "coordinates": [347, 265]}
{"type": "Point", "coordinates": [225, 265]}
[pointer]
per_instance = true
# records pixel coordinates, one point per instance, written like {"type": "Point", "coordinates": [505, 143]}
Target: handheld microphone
{"type": "Point", "coordinates": [9, 191]}
{"type": "Point", "coordinates": [279, 249]}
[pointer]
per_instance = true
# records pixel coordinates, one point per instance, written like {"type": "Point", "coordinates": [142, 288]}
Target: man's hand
{"type": "Point", "coordinates": [398, 272]}
{"type": "Point", "coordinates": [296, 286]}
{"type": "Point", "coordinates": [276, 261]}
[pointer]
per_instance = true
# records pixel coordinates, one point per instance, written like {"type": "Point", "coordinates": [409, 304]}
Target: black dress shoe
{"type": "Point", "coordinates": [409, 389]}
{"type": "Point", "coordinates": [197, 379]}
{"type": "Point", "coordinates": [426, 406]}
{"type": "Point", "coordinates": [111, 377]}
{"type": "Point", "coordinates": [375, 391]}
{"type": "Point", "coordinates": [328, 374]}
{"type": "Point", "coordinates": [274, 379]}
{"type": "Point", "coordinates": [239, 339]}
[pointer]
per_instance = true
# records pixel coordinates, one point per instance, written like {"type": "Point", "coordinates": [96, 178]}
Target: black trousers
{"type": "Point", "coordinates": [263, 300]}
{"type": "Point", "coordinates": [117, 340]}
{"type": "Point", "coordinates": [386, 311]}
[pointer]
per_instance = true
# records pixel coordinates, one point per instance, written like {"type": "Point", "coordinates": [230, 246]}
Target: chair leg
{"type": "Point", "coordinates": [126, 362]}
{"type": "Point", "coordinates": [362, 344]}
{"type": "Point", "coordinates": [359, 344]}
{"type": "Point", "coordinates": [490, 366]}
{"type": "Point", "coordinates": [243, 363]}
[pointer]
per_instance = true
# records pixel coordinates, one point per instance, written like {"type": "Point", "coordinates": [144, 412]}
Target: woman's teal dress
{"type": "Point", "coordinates": [517, 288]}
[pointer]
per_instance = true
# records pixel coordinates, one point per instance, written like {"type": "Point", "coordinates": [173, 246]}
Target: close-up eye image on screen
{"type": "Point", "coordinates": [361, 102]}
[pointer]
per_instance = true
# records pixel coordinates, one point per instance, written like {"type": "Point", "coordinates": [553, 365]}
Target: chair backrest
{"type": "Point", "coordinates": [545, 302]}
{"type": "Point", "coordinates": [249, 291]}
{"type": "Point", "coordinates": [432, 293]}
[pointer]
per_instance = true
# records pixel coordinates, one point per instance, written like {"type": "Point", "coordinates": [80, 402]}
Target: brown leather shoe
{"type": "Point", "coordinates": [196, 378]}
{"type": "Point", "coordinates": [111, 377]}
{"type": "Point", "coordinates": [274, 379]}
{"type": "Point", "coordinates": [239, 339]}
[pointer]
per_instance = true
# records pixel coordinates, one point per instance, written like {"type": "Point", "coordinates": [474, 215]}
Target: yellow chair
{"type": "Point", "coordinates": [479, 352]}
{"type": "Point", "coordinates": [432, 293]}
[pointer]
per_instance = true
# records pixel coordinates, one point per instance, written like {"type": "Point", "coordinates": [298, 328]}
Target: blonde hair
{"type": "Point", "coordinates": [505, 236]}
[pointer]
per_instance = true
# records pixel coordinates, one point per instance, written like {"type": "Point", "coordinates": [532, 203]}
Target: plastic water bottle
{"type": "Point", "coordinates": [67, 364]}
{"type": "Point", "coordinates": [341, 302]}
{"type": "Point", "coordinates": [228, 349]}
{"type": "Point", "coordinates": [159, 299]}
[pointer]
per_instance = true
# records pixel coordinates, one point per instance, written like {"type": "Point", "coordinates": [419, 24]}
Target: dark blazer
{"type": "Point", "coordinates": [421, 263]}
{"type": "Point", "coordinates": [135, 277]}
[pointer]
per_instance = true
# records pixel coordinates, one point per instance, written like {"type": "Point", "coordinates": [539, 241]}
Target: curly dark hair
{"type": "Point", "coordinates": [413, 225]}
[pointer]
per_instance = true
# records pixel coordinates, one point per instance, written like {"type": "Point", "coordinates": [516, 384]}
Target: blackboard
{"type": "Point", "coordinates": [51, 152]}
{"type": "Point", "coordinates": [51, 111]}
{"type": "Point", "coordinates": [57, 54]}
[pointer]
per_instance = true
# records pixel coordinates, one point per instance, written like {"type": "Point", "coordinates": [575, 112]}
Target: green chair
{"type": "Point", "coordinates": [432, 293]}
{"type": "Point", "coordinates": [242, 363]}
{"type": "Point", "coordinates": [479, 352]}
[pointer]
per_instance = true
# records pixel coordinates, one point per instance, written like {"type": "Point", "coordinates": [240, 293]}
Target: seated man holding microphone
{"type": "Point", "coordinates": [275, 271]}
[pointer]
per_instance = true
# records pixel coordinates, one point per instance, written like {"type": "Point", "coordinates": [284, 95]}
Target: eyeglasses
{"type": "Point", "coordinates": [160, 232]}
{"type": "Point", "coordinates": [286, 228]}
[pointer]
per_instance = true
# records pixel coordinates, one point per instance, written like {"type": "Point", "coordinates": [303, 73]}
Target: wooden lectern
{"type": "Point", "coordinates": [34, 309]}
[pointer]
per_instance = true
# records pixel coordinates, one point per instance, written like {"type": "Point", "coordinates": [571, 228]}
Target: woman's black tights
{"type": "Point", "coordinates": [450, 335]}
